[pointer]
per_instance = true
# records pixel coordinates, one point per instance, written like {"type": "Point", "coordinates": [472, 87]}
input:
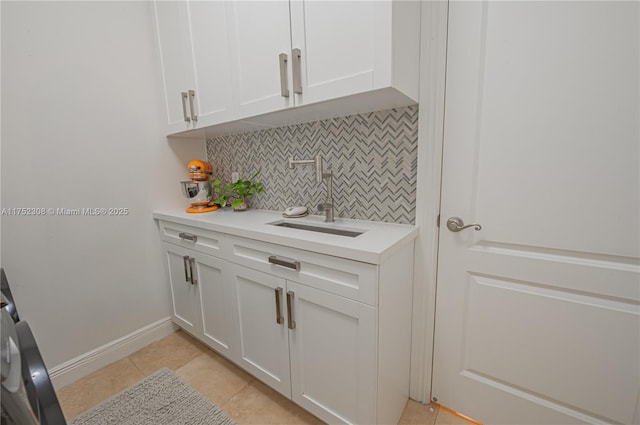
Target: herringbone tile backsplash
{"type": "Point", "coordinates": [373, 158]}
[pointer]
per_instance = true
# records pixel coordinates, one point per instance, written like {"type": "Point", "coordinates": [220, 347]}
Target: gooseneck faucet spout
{"type": "Point", "coordinates": [327, 205]}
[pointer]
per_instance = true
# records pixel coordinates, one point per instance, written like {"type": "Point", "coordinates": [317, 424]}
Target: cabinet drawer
{"type": "Point", "coordinates": [205, 241]}
{"type": "Point", "coordinates": [351, 279]}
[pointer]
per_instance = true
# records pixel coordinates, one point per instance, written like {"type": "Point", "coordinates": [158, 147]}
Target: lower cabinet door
{"type": "Point", "coordinates": [333, 356]}
{"type": "Point", "coordinates": [261, 326]}
{"type": "Point", "coordinates": [184, 295]}
{"type": "Point", "coordinates": [215, 302]}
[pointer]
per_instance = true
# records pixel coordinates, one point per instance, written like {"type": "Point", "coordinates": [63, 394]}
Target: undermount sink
{"type": "Point", "coordinates": [321, 229]}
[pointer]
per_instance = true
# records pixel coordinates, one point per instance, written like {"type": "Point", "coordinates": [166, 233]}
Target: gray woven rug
{"type": "Point", "coordinates": [160, 399]}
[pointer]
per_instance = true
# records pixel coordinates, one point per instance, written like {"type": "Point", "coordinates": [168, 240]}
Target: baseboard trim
{"type": "Point", "coordinates": [79, 367]}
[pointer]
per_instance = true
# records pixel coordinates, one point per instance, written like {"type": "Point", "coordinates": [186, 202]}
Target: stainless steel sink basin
{"type": "Point", "coordinates": [321, 229]}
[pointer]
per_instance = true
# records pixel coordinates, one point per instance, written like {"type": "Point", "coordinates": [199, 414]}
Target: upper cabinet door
{"type": "Point", "coordinates": [177, 73]}
{"type": "Point", "coordinates": [337, 44]}
{"type": "Point", "coordinates": [259, 33]}
{"type": "Point", "coordinates": [209, 56]}
{"type": "Point", "coordinates": [351, 47]}
{"type": "Point", "coordinates": [194, 52]}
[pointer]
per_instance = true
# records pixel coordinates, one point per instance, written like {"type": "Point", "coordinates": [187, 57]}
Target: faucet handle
{"type": "Point", "coordinates": [324, 206]}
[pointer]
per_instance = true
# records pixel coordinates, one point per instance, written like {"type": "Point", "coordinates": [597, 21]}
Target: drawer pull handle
{"type": "Point", "coordinates": [279, 318]}
{"type": "Point", "coordinates": [188, 237]}
{"type": "Point", "coordinates": [187, 266]}
{"type": "Point", "coordinates": [292, 323]}
{"type": "Point", "coordinates": [295, 265]}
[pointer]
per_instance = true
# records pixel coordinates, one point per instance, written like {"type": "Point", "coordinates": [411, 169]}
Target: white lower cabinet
{"type": "Point", "coordinates": [333, 355]}
{"type": "Point", "coordinates": [200, 296]}
{"type": "Point", "coordinates": [260, 320]}
{"type": "Point", "coordinates": [317, 348]}
{"type": "Point", "coordinates": [329, 333]}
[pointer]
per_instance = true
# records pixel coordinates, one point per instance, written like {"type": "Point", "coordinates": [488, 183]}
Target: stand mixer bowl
{"type": "Point", "coordinates": [199, 193]}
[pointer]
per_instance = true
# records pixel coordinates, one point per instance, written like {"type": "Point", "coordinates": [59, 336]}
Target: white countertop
{"type": "Point", "coordinates": [377, 243]}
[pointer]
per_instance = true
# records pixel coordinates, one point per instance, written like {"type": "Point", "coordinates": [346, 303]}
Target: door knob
{"type": "Point", "coordinates": [455, 224]}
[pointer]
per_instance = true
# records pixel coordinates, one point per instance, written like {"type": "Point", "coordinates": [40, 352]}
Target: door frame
{"type": "Point", "coordinates": [433, 62]}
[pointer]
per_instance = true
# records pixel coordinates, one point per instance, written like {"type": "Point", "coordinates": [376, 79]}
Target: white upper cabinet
{"type": "Point", "coordinates": [351, 47]}
{"type": "Point", "coordinates": [250, 61]}
{"type": "Point", "coordinates": [194, 53]}
{"type": "Point", "coordinates": [259, 34]}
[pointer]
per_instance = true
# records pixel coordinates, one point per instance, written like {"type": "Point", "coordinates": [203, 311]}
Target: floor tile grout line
{"type": "Point", "coordinates": [136, 366]}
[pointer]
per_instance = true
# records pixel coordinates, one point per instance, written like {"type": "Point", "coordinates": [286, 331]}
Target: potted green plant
{"type": "Point", "coordinates": [236, 193]}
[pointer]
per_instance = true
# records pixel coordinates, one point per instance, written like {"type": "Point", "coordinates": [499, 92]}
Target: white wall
{"type": "Point", "coordinates": [81, 127]}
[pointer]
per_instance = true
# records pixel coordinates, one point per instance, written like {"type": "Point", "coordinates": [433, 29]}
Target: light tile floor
{"type": "Point", "coordinates": [243, 398]}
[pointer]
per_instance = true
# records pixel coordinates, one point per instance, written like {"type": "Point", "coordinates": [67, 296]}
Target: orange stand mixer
{"type": "Point", "coordinates": [198, 190]}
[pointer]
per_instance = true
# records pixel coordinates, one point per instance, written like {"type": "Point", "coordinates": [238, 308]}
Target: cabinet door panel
{"type": "Point", "coordinates": [177, 75]}
{"type": "Point", "coordinates": [215, 298]}
{"type": "Point", "coordinates": [259, 32]}
{"type": "Point", "coordinates": [210, 56]}
{"type": "Point", "coordinates": [184, 295]}
{"type": "Point", "coordinates": [340, 46]}
{"type": "Point", "coordinates": [263, 346]}
{"type": "Point", "coordinates": [333, 356]}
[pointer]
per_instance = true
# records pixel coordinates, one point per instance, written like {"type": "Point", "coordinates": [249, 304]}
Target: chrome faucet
{"type": "Point", "coordinates": [327, 205]}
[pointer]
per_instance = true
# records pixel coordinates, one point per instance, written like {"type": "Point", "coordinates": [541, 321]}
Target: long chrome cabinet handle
{"type": "Point", "coordinates": [292, 323]}
{"type": "Point", "coordinates": [284, 80]}
{"type": "Point", "coordinates": [295, 265]}
{"type": "Point", "coordinates": [188, 236]}
{"type": "Point", "coordinates": [192, 265]}
{"type": "Point", "coordinates": [279, 318]}
{"type": "Point", "coordinates": [297, 71]}
{"type": "Point", "coordinates": [184, 96]}
{"type": "Point", "coordinates": [192, 96]}
{"type": "Point", "coordinates": [187, 267]}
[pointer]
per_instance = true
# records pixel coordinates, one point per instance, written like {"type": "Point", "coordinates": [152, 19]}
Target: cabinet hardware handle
{"type": "Point", "coordinates": [192, 96]}
{"type": "Point", "coordinates": [284, 80]}
{"type": "Point", "coordinates": [192, 264]}
{"type": "Point", "coordinates": [292, 323]}
{"type": "Point", "coordinates": [184, 106]}
{"type": "Point", "coordinates": [188, 236]}
{"type": "Point", "coordinates": [295, 265]}
{"type": "Point", "coordinates": [185, 259]}
{"type": "Point", "coordinates": [297, 71]}
{"type": "Point", "coordinates": [279, 318]}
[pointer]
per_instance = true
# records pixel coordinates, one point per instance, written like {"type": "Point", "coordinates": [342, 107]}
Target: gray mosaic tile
{"type": "Point", "coordinates": [373, 158]}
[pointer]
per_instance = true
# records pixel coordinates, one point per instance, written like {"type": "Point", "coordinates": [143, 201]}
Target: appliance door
{"type": "Point", "coordinates": [40, 391]}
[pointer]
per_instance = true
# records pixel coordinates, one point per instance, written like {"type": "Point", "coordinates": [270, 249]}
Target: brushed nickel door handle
{"type": "Point", "coordinates": [284, 79]}
{"type": "Point", "coordinates": [187, 266]}
{"type": "Point", "coordinates": [192, 264]}
{"type": "Point", "coordinates": [279, 318]}
{"type": "Point", "coordinates": [184, 97]}
{"type": "Point", "coordinates": [296, 56]}
{"type": "Point", "coordinates": [292, 323]}
{"type": "Point", "coordinates": [192, 96]}
{"type": "Point", "coordinates": [455, 224]}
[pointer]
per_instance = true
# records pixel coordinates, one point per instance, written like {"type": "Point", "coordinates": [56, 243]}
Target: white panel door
{"type": "Point", "coordinates": [538, 312]}
{"type": "Point", "coordinates": [184, 294]}
{"type": "Point", "coordinates": [259, 33]}
{"type": "Point", "coordinates": [210, 57]}
{"type": "Point", "coordinates": [333, 355]}
{"type": "Point", "coordinates": [174, 44]}
{"type": "Point", "coordinates": [343, 44]}
{"type": "Point", "coordinates": [215, 299]}
{"type": "Point", "coordinates": [263, 346]}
